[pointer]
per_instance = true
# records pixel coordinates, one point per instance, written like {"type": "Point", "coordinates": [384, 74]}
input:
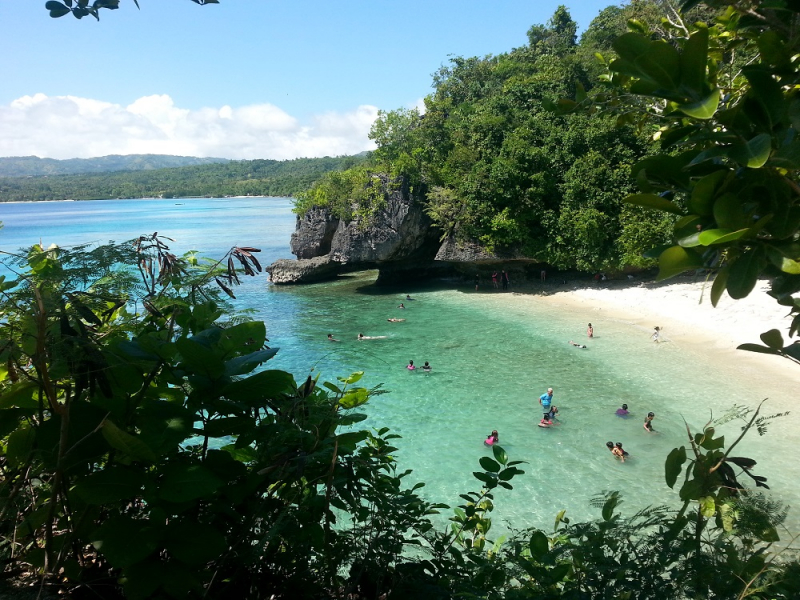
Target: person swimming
{"type": "Point", "coordinates": [619, 452]}
{"type": "Point", "coordinates": [411, 366]}
{"type": "Point", "coordinates": [577, 345]}
{"type": "Point", "coordinates": [401, 305]}
{"type": "Point", "coordinates": [408, 298]}
{"type": "Point", "coordinates": [622, 412]}
{"type": "Point", "coordinates": [648, 422]}
{"type": "Point", "coordinates": [331, 338]}
{"type": "Point", "coordinates": [492, 439]}
{"type": "Point", "coordinates": [426, 367]}
{"type": "Point", "coordinates": [393, 320]}
{"type": "Point", "coordinates": [361, 337]}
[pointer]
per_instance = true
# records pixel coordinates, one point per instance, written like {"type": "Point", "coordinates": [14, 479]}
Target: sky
{"type": "Point", "coordinates": [242, 79]}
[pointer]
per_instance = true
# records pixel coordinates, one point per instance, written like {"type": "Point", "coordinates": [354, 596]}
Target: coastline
{"type": "Point", "coordinates": [683, 311]}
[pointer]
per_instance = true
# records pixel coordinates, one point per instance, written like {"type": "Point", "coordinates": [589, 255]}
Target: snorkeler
{"type": "Point", "coordinates": [648, 422]}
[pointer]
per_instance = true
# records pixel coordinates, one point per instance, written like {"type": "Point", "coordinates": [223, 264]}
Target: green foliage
{"type": "Point", "coordinates": [723, 93]}
{"type": "Point", "coordinates": [231, 178]}
{"type": "Point", "coordinates": [357, 193]}
{"type": "Point", "coordinates": [83, 8]}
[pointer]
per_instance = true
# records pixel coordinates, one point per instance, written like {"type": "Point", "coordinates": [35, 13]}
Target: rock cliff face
{"type": "Point", "coordinates": [399, 240]}
{"type": "Point", "coordinates": [400, 236]}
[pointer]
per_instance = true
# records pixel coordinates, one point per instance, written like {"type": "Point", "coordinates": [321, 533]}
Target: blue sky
{"type": "Point", "coordinates": [241, 79]}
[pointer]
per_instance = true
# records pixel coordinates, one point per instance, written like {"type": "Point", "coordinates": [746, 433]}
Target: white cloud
{"type": "Point", "coordinates": [72, 127]}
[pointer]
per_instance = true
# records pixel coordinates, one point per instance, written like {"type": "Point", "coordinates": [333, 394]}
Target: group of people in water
{"type": "Point", "coordinates": [549, 410]}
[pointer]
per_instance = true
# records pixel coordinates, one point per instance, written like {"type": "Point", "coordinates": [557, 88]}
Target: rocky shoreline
{"type": "Point", "coordinates": [400, 241]}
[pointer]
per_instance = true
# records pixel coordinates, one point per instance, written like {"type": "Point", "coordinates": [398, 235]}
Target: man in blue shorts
{"type": "Point", "coordinates": [546, 400]}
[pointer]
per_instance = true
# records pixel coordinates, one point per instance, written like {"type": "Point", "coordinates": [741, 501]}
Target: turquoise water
{"type": "Point", "coordinates": [492, 354]}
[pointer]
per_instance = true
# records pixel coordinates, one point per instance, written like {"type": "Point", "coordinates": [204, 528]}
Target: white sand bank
{"type": "Point", "coordinates": [684, 312]}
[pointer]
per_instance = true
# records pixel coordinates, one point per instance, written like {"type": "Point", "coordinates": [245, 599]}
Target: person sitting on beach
{"type": "Point", "coordinates": [656, 334]}
{"type": "Point", "coordinates": [492, 439]}
{"type": "Point", "coordinates": [622, 412]}
{"type": "Point", "coordinates": [411, 366]}
{"type": "Point", "coordinates": [331, 338]}
{"type": "Point", "coordinates": [401, 305]}
{"type": "Point", "coordinates": [393, 320]}
{"type": "Point", "coordinates": [619, 452]}
{"type": "Point", "coordinates": [426, 367]}
{"type": "Point", "coordinates": [577, 345]}
{"type": "Point", "coordinates": [648, 422]}
{"type": "Point", "coordinates": [590, 331]}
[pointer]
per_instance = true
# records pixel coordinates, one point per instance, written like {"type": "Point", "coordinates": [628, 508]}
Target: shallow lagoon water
{"type": "Point", "coordinates": [492, 356]}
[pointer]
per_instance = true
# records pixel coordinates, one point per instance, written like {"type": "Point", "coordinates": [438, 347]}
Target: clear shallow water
{"type": "Point", "coordinates": [493, 354]}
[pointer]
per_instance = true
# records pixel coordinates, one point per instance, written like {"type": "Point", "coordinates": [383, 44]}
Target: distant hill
{"type": "Point", "coordinates": [230, 178]}
{"type": "Point", "coordinates": [33, 166]}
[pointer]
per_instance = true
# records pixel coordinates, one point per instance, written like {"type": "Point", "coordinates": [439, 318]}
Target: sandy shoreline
{"type": "Point", "coordinates": [683, 310]}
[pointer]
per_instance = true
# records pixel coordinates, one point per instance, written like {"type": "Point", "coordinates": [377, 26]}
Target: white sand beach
{"type": "Point", "coordinates": [682, 309]}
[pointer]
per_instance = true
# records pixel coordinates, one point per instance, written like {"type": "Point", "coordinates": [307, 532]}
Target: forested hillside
{"type": "Point", "coordinates": [235, 178]}
{"type": "Point", "coordinates": [33, 166]}
{"type": "Point", "coordinates": [496, 166]}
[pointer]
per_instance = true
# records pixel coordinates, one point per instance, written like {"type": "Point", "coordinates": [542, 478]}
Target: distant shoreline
{"type": "Point", "coordinates": [142, 198]}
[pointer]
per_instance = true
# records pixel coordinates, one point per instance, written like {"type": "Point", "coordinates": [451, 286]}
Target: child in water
{"type": "Point", "coordinates": [619, 452]}
{"type": "Point", "coordinates": [492, 439]}
{"type": "Point", "coordinates": [648, 422]}
{"type": "Point", "coordinates": [590, 331]}
{"type": "Point", "coordinates": [622, 412]}
{"type": "Point", "coordinates": [411, 366]}
{"type": "Point", "coordinates": [426, 367]}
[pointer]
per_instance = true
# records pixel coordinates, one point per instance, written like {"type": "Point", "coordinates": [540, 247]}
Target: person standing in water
{"type": "Point", "coordinates": [648, 422]}
{"type": "Point", "coordinates": [590, 331]}
{"type": "Point", "coordinates": [493, 438]}
{"type": "Point", "coordinates": [411, 366]}
{"type": "Point", "coordinates": [546, 401]}
{"type": "Point", "coordinates": [656, 334]}
{"type": "Point", "coordinates": [426, 367]}
{"type": "Point", "coordinates": [622, 412]}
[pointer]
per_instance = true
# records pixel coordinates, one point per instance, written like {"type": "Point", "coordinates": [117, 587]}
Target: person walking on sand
{"type": "Point", "coordinates": [656, 334]}
{"type": "Point", "coordinates": [504, 278]}
{"type": "Point", "coordinates": [494, 280]}
{"type": "Point", "coordinates": [590, 331]}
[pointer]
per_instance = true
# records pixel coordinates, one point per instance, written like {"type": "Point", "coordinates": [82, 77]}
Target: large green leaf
{"type": "Point", "coordinates": [111, 485]}
{"type": "Point", "coordinates": [261, 386]}
{"type": "Point", "coordinates": [489, 464]}
{"type": "Point", "coordinates": [710, 237]}
{"type": "Point", "coordinates": [20, 395]}
{"type": "Point", "coordinates": [676, 260]}
{"type": "Point", "coordinates": [250, 334]}
{"type": "Point", "coordinates": [126, 443]}
{"type": "Point", "coordinates": [194, 543]}
{"type": "Point", "coordinates": [674, 464]}
{"type": "Point", "coordinates": [661, 64]}
{"type": "Point", "coordinates": [124, 540]}
{"type": "Point", "coordinates": [767, 92]}
{"type": "Point", "coordinates": [183, 483]}
{"type": "Point", "coordinates": [705, 191]}
{"type": "Point", "coordinates": [200, 359]}
{"type": "Point", "coordinates": [753, 153]}
{"type": "Point", "coordinates": [694, 59]}
{"type": "Point", "coordinates": [244, 364]}
{"type": "Point", "coordinates": [539, 545]}
{"type": "Point", "coordinates": [654, 202]}
{"type": "Point", "coordinates": [744, 273]}
{"type": "Point", "coordinates": [729, 212]}
{"type": "Point", "coordinates": [703, 108]}
{"type": "Point", "coordinates": [719, 285]}
{"type": "Point", "coordinates": [773, 339]}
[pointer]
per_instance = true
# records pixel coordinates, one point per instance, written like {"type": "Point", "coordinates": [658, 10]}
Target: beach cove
{"type": "Point", "coordinates": [493, 354]}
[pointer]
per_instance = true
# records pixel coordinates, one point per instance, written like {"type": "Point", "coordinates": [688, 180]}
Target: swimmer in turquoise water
{"type": "Point", "coordinates": [393, 320]}
{"type": "Point", "coordinates": [426, 367]}
{"type": "Point", "coordinates": [622, 412]}
{"type": "Point", "coordinates": [577, 345]}
{"type": "Point", "coordinates": [610, 446]}
{"type": "Point", "coordinates": [492, 439]}
{"type": "Point", "coordinates": [411, 366]}
{"type": "Point", "coordinates": [648, 422]}
{"type": "Point", "coordinates": [619, 452]}
{"type": "Point", "coordinates": [331, 338]}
